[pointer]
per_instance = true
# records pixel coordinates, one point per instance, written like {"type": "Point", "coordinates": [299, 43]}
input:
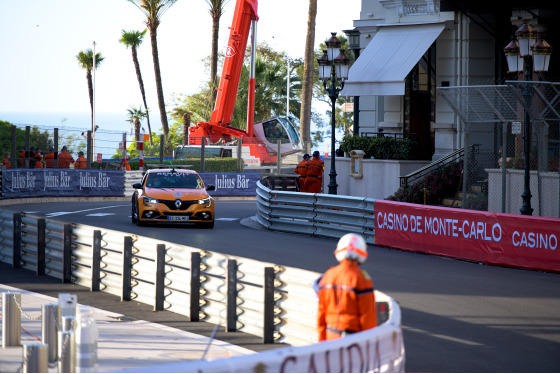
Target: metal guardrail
{"type": "Point", "coordinates": [263, 299]}
{"type": "Point", "coordinates": [314, 214]}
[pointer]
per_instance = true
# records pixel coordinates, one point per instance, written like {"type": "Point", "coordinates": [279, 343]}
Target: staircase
{"type": "Point", "coordinates": [474, 191]}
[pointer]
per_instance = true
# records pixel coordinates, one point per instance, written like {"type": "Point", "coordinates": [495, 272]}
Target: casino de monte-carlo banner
{"type": "Point", "coordinates": [61, 182]}
{"type": "Point", "coordinates": [232, 184]}
{"type": "Point", "coordinates": [493, 238]}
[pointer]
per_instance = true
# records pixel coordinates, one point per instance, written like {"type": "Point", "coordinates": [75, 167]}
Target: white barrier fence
{"type": "Point", "coordinates": [315, 214]}
{"type": "Point", "coordinates": [274, 302]}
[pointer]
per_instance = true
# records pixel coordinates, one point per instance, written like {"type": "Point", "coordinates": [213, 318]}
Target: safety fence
{"type": "Point", "coordinates": [490, 238]}
{"type": "Point", "coordinates": [263, 299]}
{"type": "Point", "coordinates": [314, 214]}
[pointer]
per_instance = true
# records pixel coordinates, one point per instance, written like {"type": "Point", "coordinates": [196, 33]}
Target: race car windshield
{"type": "Point", "coordinates": [174, 180]}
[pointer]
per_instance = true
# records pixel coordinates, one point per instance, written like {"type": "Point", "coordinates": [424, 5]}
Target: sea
{"type": "Point", "coordinates": [113, 127]}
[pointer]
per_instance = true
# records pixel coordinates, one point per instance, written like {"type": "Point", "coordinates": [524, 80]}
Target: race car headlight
{"type": "Point", "coordinates": [206, 201]}
{"type": "Point", "coordinates": [149, 200]}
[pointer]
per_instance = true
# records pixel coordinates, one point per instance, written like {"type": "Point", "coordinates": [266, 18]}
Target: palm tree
{"type": "Point", "coordinates": [181, 113]}
{"type": "Point", "coordinates": [216, 11]}
{"type": "Point", "coordinates": [154, 10]}
{"type": "Point", "coordinates": [270, 93]}
{"type": "Point", "coordinates": [135, 115]}
{"type": "Point", "coordinates": [133, 39]}
{"type": "Point", "coordinates": [85, 59]}
{"type": "Point", "coordinates": [307, 87]}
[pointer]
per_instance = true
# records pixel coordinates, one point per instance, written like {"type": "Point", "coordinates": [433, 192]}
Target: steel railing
{"type": "Point", "coordinates": [263, 299]}
{"type": "Point", "coordinates": [314, 214]}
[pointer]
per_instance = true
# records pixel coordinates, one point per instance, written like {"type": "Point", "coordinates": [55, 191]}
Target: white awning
{"type": "Point", "coordinates": [388, 58]}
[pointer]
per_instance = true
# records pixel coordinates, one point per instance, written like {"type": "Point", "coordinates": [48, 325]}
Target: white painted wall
{"type": "Point", "coordinates": [380, 177]}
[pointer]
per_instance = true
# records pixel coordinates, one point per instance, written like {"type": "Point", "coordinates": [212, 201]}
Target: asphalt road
{"type": "Point", "coordinates": [457, 316]}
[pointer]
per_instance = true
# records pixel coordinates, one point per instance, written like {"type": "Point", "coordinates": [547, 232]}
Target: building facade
{"type": "Point", "coordinates": [409, 48]}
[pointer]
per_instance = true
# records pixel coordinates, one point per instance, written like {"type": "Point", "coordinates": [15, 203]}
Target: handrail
{"type": "Point", "coordinates": [415, 175]}
{"type": "Point", "coordinates": [272, 301]}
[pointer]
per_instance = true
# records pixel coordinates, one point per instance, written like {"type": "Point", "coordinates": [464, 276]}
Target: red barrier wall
{"type": "Point", "coordinates": [494, 238]}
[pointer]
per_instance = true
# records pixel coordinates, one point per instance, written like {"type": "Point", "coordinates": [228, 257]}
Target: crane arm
{"type": "Point", "coordinates": [245, 12]}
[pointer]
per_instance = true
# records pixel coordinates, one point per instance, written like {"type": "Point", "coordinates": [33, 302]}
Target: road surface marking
{"type": "Point", "coordinates": [56, 214]}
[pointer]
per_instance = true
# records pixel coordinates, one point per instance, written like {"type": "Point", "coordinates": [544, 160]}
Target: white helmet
{"type": "Point", "coordinates": [352, 247]}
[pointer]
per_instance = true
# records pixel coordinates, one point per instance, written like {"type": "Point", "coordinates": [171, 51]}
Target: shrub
{"type": "Point", "coordinates": [443, 181]}
{"type": "Point", "coordinates": [218, 164]}
{"type": "Point", "coordinates": [382, 147]}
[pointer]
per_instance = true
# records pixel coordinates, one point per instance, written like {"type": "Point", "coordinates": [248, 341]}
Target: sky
{"type": "Point", "coordinates": [39, 41]}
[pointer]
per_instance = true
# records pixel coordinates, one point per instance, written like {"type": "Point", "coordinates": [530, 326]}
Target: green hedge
{"type": "Point", "coordinates": [383, 148]}
{"type": "Point", "coordinates": [221, 164]}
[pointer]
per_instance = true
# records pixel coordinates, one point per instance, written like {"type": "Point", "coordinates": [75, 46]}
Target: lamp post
{"type": "Point", "coordinates": [527, 54]}
{"type": "Point", "coordinates": [333, 64]}
{"type": "Point", "coordinates": [93, 107]}
{"type": "Point", "coordinates": [354, 46]}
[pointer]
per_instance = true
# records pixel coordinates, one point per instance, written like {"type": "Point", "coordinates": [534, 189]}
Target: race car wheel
{"type": "Point", "coordinates": [133, 214]}
{"type": "Point", "coordinates": [139, 222]}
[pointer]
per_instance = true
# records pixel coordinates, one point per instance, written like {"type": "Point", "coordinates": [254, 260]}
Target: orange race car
{"type": "Point", "coordinates": [172, 196]}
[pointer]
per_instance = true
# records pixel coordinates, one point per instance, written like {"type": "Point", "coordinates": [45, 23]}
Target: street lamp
{"type": "Point", "coordinates": [333, 64]}
{"type": "Point", "coordinates": [528, 53]}
{"type": "Point", "coordinates": [354, 46]}
{"type": "Point", "coordinates": [93, 108]}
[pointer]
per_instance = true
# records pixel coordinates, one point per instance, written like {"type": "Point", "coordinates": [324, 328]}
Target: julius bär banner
{"type": "Point", "coordinates": [61, 182]}
{"type": "Point", "coordinates": [496, 238]}
{"type": "Point", "coordinates": [232, 184]}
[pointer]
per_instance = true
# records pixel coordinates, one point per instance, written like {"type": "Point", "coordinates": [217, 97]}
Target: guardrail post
{"type": "Point", "coordinates": [16, 259]}
{"type": "Point", "coordinates": [96, 261]}
{"type": "Point", "coordinates": [268, 315]}
{"type": "Point", "coordinates": [195, 287]}
{"type": "Point", "coordinates": [35, 358]}
{"type": "Point", "coordinates": [239, 155]}
{"type": "Point", "coordinates": [231, 302]}
{"type": "Point", "coordinates": [49, 317]}
{"type": "Point", "coordinates": [160, 277]}
{"type": "Point", "coordinates": [161, 147]}
{"type": "Point", "coordinates": [202, 154]}
{"type": "Point", "coordinates": [11, 320]}
{"type": "Point", "coordinates": [67, 253]}
{"type": "Point", "coordinates": [14, 161]}
{"type": "Point", "coordinates": [41, 227]}
{"type": "Point", "coordinates": [127, 269]}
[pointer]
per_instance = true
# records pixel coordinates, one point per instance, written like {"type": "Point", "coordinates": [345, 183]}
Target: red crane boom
{"type": "Point", "coordinates": [219, 127]}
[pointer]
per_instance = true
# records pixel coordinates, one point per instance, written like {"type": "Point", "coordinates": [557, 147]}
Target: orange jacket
{"type": "Point", "coordinates": [38, 162]}
{"type": "Point", "coordinates": [64, 160]}
{"type": "Point", "coordinates": [346, 301]}
{"type": "Point", "coordinates": [81, 163]}
{"type": "Point", "coordinates": [125, 165]}
{"type": "Point", "coordinates": [6, 163]}
{"type": "Point", "coordinates": [301, 169]}
{"type": "Point", "coordinates": [22, 159]}
{"type": "Point", "coordinates": [315, 167]}
{"type": "Point", "coordinates": [49, 160]}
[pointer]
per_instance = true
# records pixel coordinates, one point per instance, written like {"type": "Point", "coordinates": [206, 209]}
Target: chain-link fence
{"type": "Point", "coordinates": [29, 146]}
{"type": "Point", "coordinates": [497, 172]}
{"type": "Point", "coordinates": [252, 153]}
